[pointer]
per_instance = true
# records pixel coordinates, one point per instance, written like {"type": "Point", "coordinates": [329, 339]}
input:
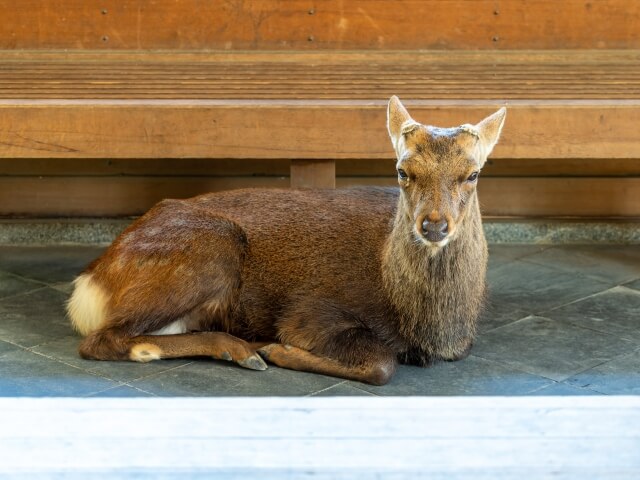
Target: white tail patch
{"type": "Point", "coordinates": [87, 307]}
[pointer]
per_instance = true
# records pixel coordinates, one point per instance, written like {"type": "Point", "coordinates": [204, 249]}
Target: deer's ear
{"type": "Point", "coordinates": [399, 122]}
{"type": "Point", "coordinates": [490, 128]}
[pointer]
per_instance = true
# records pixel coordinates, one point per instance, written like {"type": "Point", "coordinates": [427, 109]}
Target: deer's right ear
{"type": "Point", "coordinates": [399, 122]}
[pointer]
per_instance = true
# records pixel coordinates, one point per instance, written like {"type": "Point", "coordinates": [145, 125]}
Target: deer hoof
{"type": "Point", "coordinates": [265, 352]}
{"type": "Point", "coordinates": [254, 362]}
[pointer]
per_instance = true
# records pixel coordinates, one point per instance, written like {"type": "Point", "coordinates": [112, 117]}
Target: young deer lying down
{"type": "Point", "coordinates": [340, 282]}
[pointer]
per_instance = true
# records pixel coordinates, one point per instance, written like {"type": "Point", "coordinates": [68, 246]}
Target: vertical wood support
{"type": "Point", "coordinates": [313, 174]}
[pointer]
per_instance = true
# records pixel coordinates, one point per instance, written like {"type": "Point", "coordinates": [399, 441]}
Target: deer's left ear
{"type": "Point", "coordinates": [489, 130]}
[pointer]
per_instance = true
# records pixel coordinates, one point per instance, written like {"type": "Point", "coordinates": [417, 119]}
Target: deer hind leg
{"type": "Point", "coordinates": [114, 344]}
{"type": "Point", "coordinates": [328, 340]}
{"type": "Point", "coordinates": [176, 270]}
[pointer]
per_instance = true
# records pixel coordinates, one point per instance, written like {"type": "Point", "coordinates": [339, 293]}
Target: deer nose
{"type": "Point", "coordinates": [435, 231]}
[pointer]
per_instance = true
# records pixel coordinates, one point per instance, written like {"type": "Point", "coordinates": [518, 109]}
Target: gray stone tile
{"type": "Point", "coordinates": [535, 288]}
{"type": "Point", "coordinates": [498, 314]}
{"type": "Point", "coordinates": [613, 264]}
{"type": "Point", "coordinates": [121, 391]}
{"type": "Point", "coordinates": [342, 390]}
{"type": "Point", "coordinates": [471, 376]}
{"type": "Point", "coordinates": [24, 373]}
{"type": "Point", "coordinates": [620, 376]}
{"type": "Point", "coordinates": [548, 348]}
{"type": "Point", "coordinates": [34, 318]}
{"type": "Point", "coordinates": [213, 378]}
{"type": "Point", "coordinates": [562, 389]}
{"type": "Point", "coordinates": [635, 285]}
{"type": "Point", "coordinates": [615, 311]}
{"type": "Point", "coordinates": [11, 285]}
{"type": "Point", "coordinates": [6, 347]}
{"type": "Point", "coordinates": [66, 350]}
{"type": "Point", "coordinates": [501, 254]}
{"type": "Point", "coordinates": [64, 287]}
{"type": "Point", "coordinates": [47, 264]}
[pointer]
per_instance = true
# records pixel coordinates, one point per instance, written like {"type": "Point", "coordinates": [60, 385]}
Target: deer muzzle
{"type": "Point", "coordinates": [434, 232]}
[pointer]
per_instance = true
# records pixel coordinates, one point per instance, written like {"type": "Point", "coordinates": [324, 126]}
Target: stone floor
{"type": "Point", "coordinates": [562, 320]}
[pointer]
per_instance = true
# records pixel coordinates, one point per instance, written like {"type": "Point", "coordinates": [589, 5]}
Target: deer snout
{"type": "Point", "coordinates": [435, 231]}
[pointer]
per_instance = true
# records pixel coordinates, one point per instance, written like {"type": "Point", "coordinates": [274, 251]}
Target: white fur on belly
{"type": "Point", "coordinates": [179, 326]}
{"type": "Point", "coordinates": [87, 307]}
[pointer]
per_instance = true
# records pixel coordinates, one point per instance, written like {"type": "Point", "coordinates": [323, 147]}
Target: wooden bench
{"type": "Point", "coordinates": [228, 94]}
{"type": "Point", "coordinates": [453, 438]}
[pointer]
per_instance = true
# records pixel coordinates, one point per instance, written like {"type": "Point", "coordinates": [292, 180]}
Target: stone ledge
{"type": "Point", "coordinates": [100, 231]}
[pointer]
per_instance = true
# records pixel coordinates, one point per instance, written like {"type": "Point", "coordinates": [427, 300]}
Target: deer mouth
{"type": "Point", "coordinates": [432, 239]}
{"type": "Point", "coordinates": [435, 237]}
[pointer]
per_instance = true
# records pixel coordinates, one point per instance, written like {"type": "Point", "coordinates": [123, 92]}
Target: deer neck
{"type": "Point", "coordinates": [436, 293]}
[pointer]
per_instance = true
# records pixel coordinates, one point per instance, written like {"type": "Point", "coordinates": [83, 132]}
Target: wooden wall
{"type": "Point", "coordinates": [319, 24]}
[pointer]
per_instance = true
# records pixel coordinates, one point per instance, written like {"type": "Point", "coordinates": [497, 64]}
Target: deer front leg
{"type": "Point", "coordinates": [376, 371]}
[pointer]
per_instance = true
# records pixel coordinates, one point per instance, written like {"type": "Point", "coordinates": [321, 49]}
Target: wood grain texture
{"type": "Point", "coordinates": [57, 196]}
{"type": "Point", "coordinates": [499, 75]}
{"type": "Point", "coordinates": [327, 24]}
{"type": "Point", "coordinates": [300, 130]}
{"type": "Point", "coordinates": [479, 437]}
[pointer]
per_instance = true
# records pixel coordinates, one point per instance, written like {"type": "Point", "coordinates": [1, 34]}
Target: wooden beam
{"type": "Point", "coordinates": [557, 197]}
{"type": "Point", "coordinates": [300, 130]}
{"type": "Point", "coordinates": [313, 174]}
{"type": "Point", "coordinates": [121, 196]}
{"type": "Point", "coordinates": [309, 25]}
{"type": "Point", "coordinates": [339, 438]}
{"type": "Point", "coordinates": [547, 196]}
{"type": "Point", "coordinates": [358, 167]}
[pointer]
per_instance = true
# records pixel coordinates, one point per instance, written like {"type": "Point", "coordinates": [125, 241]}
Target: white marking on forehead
{"type": "Point", "coordinates": [452, 132]}
{"type": "Point", "coordinates": [409, 126]}
{"type": "Point", "coordinates": [470, 129]}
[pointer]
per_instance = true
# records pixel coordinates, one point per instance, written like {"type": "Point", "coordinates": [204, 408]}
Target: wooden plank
{"type": "Point", "coordinates": [548, 197]}
{"type": "Point", "coordinates": [109, 196]}
{"type": "Point", "coordinates": [300, 130]}
{"type": "Point", "coordinates": [220, 167]}
{"type": "Point", "coordinates": [194, 59]}
{"type": "Point", "coordinates": [566, 167]}
{"type": "Point", "coordinates": [303, 75]}
{"type": "Point", "coordinates": [477, 437]}
{"type": "Point", "coordinates": [383, 422]}
{"type": "Point", "coordinates": [313, 174]}
{"type": "Point", "coordinates": [384, 167]}
{"type": "Point", "coordinates": [594, 197]}
{"type": "Point", "coordinates": [121, 196]}
{"type": "Point", "coordinates": [330, 24]}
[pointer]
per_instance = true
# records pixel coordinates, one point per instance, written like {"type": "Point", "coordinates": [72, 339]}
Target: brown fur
{"type": "Point", "coordinates": [343, 276]}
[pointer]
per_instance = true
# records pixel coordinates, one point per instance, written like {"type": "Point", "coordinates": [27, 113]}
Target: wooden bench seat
{"type": "Point", "coordinates": [316, 108]}
{"type": "Point", "coordinates": [165, 105]}
{"type": "Point", "coordinates": [294, 75]}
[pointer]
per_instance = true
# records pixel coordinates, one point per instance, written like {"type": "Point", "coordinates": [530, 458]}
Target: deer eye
{"type": "Point", "coordinates": [402, 174]}
{"type": "Point", "coordinates": [473, 177]}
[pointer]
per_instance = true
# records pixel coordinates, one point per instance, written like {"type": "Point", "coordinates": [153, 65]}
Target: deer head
{"type": "Point", "coordinates": [438, 169]}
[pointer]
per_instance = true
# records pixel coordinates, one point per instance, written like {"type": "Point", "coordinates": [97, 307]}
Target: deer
{"type": "Point", "coordinates": [345, 282]}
